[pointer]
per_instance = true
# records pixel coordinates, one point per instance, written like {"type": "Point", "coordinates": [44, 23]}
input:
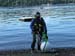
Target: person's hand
{"type": "Point", "coordinates": [37, 32]}
{"type": "Point", "coordinates": [45, 32]}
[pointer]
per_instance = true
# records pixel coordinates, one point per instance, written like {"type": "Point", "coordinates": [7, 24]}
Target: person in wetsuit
{"type": "Point", "coordinates": [38, 26]}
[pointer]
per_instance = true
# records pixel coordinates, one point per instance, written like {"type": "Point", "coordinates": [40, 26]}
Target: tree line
{"type": "Point", "coordinates": [32, 2]}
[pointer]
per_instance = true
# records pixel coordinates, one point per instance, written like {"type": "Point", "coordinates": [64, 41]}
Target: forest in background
{"type": "Point", "coordinates": [6, 3]}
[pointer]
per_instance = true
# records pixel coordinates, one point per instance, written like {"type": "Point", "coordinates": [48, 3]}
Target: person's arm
{"type": "Point", "coordinates": [32, 25]}
{"type": "Point", "coordinates": [44, 26]}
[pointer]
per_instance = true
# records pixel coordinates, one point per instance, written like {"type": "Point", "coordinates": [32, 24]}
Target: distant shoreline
{"type": "Point", "coordinates": [37, 5]}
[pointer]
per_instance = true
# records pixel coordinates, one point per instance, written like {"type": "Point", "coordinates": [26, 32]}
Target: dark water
{"type": "Point", "coordinates": [60, 21]}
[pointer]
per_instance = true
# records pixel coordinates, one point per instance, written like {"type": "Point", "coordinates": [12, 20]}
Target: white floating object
{"type": "Point", "coordinates": [45, 46]}
{"type": "Point", "coordinates": [27, 19]}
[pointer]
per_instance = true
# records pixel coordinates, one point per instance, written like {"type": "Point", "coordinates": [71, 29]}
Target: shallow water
{"type": "Point", "coordinates": [60, 21]}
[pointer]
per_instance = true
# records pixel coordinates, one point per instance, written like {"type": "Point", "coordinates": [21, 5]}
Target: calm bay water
{"type": "Point", "coordinates": [60, 21]}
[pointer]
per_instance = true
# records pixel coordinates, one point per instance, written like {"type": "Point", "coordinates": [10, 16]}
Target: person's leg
{"type": "Point", "coordinates": [33, 42]}
{"type": "Point", "coordinates": [39, 41]}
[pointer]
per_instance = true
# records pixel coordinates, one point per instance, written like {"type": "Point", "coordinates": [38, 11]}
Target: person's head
{"type": "Point", "coordinates": [37, 15]}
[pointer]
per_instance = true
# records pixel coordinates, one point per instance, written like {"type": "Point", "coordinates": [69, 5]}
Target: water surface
{"type": "Point", "coordinates": [60, 21]}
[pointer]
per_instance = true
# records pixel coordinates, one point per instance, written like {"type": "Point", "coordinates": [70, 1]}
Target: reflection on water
{"type": "Point", "coordinates": [60, 22]}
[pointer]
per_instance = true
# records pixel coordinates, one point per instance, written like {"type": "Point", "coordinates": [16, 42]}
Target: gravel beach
{"type": "Point", "coordinates": [59, 52]}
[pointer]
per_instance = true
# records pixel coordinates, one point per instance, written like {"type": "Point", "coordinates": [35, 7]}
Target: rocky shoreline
{"type": "Point", "coordinates": [59, 52]}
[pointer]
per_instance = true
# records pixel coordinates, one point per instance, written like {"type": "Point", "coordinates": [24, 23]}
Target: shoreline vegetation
{"type": "Point", "coordinates": [26, 3]}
